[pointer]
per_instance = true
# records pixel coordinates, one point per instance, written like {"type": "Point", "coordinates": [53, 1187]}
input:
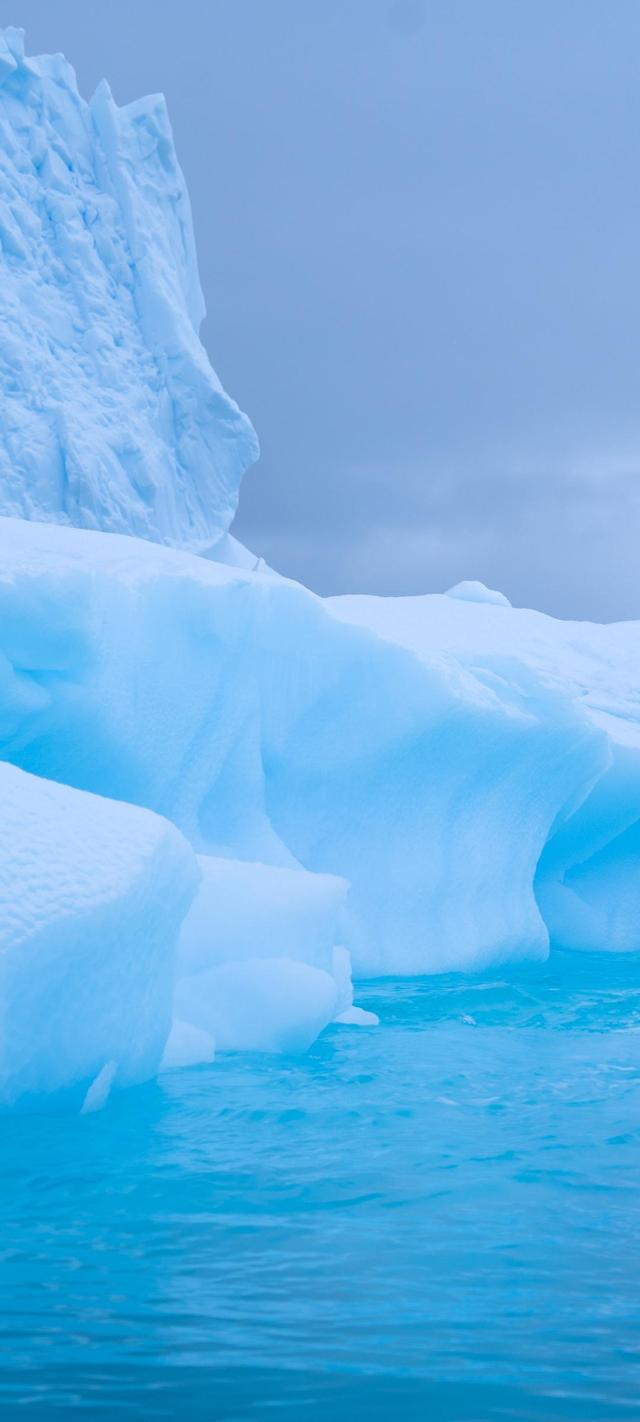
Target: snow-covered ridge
{"type": "Point", "coordinates": [112, 415]}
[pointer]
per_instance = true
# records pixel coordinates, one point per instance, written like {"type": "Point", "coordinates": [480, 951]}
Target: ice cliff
{"type": "Point", "coordinates": [112, 417]}
{"type": "Point", "coordinates": [218, 791]}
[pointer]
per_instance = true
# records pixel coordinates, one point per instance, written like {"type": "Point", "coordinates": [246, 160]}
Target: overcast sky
{"type": "Point", "coordinates": [418, 225]}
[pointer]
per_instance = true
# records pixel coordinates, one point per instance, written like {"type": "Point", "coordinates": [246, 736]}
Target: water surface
{"type": "Point", "coordinates": [436, 1219]}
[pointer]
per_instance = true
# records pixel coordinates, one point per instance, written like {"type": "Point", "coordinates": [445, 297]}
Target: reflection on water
{"type": "Point", "coordinates": [436, 1219]}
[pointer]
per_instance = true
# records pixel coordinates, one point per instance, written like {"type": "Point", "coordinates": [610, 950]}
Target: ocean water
{"type": "Point", "coordinates": [435, 1219]}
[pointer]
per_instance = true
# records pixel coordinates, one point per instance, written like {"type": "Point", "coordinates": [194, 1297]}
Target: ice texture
{"type": "Point", "coordinates": [92, 896]}
{"type": "Point", "coordinates": [586, 879]}
{"type": "Point", "coordinates": [463, 766]}
{"type": "Point", "coordinates": [112, 416]}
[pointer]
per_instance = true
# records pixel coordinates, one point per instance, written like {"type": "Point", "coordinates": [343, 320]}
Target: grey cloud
{"type": "Point", "coordinates": [418, 228]}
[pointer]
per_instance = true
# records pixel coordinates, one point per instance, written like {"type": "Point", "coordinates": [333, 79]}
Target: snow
{"type": "Point", "coordinates": [220, 792]}
{"type": "Point", "coordinates": [112, 416]}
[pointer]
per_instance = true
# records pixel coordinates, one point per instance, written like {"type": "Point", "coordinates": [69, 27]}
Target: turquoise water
{"type": "Point", "coordinates": [436, 1219]}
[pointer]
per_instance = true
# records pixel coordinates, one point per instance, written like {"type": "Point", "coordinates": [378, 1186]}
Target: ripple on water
{"type": "Point", "coordinates": [437, 1218]}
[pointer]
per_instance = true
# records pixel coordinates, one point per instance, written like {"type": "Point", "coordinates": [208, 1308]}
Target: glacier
{"type": "Point", "coordinates": [225, 797]}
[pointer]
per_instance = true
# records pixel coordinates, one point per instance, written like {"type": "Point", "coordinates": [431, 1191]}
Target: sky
{"type": "Point", "coordinates": [418, 226]}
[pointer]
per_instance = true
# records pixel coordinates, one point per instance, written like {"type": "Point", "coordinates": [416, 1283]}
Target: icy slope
{"type": "Point", "coordinates": [456, 764]}
{"type": "Point", "coordinates": [92, 896]}
{"type": "Point", "coordinates": [111, 414]}
{"type": "Point", "coordinates": [588, 877]}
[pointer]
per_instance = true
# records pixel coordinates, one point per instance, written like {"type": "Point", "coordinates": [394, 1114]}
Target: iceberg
{"type": "Point", "coordinates": [586, 878]}
{"type": "Point", "coordinates": [222, 795]}
{"type": "Point", "coordinates": [112, 415]}
{"type": "Point", "coordinates": [92, 897]}
{"type": "Point", "coordinates": [444, 758]}
{"type": "Point", "coordinates": [260, 962]}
